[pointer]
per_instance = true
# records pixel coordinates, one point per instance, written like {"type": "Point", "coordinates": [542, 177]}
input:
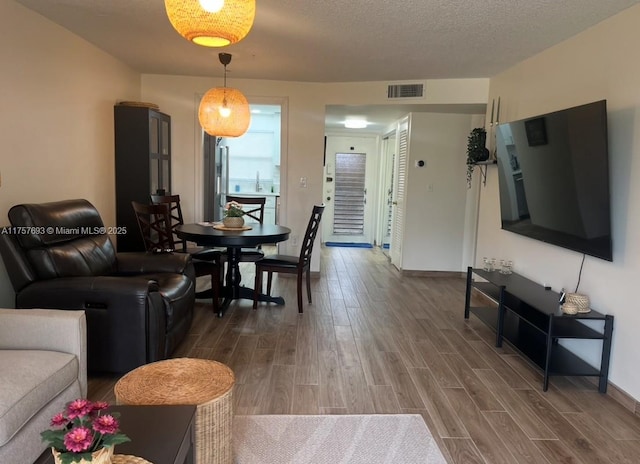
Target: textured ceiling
{"type": "Point", "coordinates": [338, 40]}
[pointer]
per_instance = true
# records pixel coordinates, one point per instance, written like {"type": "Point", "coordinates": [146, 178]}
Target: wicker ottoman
{"type": "Point", "coordinates": [206, 384]}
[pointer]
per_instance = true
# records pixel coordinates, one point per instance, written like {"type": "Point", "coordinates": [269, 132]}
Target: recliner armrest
{"type": "Point", "coordinates": [95, 291]}
{"type": "Point", "coordinates": [132, 263]}
{"type": "Point", "coordinates": [47, 329]}
{"type": "Point", "coordinates": [126, 309]}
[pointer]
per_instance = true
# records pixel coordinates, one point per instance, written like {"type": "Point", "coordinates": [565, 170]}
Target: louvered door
{"type": "Point", "coordinates": [397, 229]}
{"type": "Point", "coordinates": [350, 194]}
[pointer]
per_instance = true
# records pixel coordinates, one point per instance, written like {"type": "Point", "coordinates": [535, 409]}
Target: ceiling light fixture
{"type": "Point", "coordinates": [211, 23]}
{"type": "Point", "coordinates": [355, 124]}
{"type": "Point", "coordinates": [224, 111]}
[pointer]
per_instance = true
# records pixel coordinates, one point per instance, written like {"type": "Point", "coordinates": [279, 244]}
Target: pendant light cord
{"type": "Point", "coordinates": [580, 273]}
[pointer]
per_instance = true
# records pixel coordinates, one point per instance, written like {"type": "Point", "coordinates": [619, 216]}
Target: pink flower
{"type": "Point", "coordinates": [83, 427]}
{"type": "Point", "coordinates": [78, 439]}
{"type": "Point", "coordinates": [105, 424]}
{"type": "Point", "coordinates": [100, 405]}
{"type": "Point", "coordinates": [59, 420]}
{"type": "Point", "coordinates": [79, 408]}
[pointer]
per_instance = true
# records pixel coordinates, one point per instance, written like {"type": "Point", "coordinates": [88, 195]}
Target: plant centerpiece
{"type": "Point", "coordinates": [233, 215]}
{"type": "Point", "coordinates": [84, 432]}
{"type": "Point", "coordinates": [476, 151]}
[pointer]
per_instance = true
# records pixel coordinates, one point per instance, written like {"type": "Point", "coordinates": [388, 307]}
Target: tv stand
{"type": "Point", "coordinates": [529, 317]}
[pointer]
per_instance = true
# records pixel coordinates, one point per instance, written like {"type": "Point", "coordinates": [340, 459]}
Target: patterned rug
{"type": "Point", "coordinates": [334, 439]}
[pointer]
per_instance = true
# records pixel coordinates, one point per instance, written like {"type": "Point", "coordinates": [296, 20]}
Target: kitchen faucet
{"type": "Point", "coordinates": [258, 186]}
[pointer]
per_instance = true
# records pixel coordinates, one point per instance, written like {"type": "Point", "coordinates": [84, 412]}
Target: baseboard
{"type": "Point", "coordinates": [617, 394]}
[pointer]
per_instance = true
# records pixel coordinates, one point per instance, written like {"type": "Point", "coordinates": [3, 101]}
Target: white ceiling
{"type": "Point", "coordinates": [338, 40]}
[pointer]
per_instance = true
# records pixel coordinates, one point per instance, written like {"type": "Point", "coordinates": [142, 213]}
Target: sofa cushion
{"type": "Point", "coordinates": [29, 380]}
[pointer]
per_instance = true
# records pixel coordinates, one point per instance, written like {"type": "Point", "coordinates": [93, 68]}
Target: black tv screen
{"type": "Point", "coordinates": [554, 178]}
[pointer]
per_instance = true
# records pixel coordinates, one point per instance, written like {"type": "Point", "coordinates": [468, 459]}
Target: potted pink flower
{"type": "Point", "coordinates": [84, 432]}
{"type": "Point", "coordinates": [233, 215]}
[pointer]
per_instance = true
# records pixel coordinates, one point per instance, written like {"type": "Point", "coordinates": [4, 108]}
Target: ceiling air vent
{"type": "Point", "coordinates": [405, 91]}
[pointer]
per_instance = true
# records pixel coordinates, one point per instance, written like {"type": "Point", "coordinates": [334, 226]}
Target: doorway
{"type": "Point", "coordinates": [248, 165]}
{"type": "Point", "coordinates": [350, 190]}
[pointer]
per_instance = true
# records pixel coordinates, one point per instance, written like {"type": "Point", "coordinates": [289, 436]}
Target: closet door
{"type": "Point", "coordinates": [399, 191]}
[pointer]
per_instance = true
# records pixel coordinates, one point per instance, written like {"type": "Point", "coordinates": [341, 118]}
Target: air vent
{"type": "Point", "coordinates": [405, 91]}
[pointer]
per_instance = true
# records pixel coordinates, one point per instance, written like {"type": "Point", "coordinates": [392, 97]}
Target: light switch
{"type": "Point", "coordinates": [303, 182]}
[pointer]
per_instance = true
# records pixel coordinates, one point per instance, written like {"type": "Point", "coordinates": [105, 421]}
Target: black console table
{"type": "Point", "coordinates": [529, 317]}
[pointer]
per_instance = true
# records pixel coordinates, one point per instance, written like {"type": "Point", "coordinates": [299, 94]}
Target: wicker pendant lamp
{"type": "Point", "coordinates": [224, 111]}
{"type": "Point", "coordinates": [211, 23]}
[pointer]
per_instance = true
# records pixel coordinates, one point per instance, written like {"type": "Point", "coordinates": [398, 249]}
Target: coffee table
{"type": "Point", "coordinates": [159, 434]}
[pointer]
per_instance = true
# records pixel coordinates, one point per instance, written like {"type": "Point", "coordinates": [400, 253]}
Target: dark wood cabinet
{"type": "Point", "coordinates": [529, 317]}
{"type": "Point", "coordinates": [143, 165]}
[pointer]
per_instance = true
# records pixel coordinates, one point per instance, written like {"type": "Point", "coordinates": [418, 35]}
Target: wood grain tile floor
{"type": "Point", "coordinates": [374, 341]}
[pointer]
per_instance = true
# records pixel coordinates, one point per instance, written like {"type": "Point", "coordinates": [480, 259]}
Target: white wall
{"type": "Point", "coordinates": [56, 123]}
{"type": "Point", "coordinates": [600, 63]}
{"type": "Point", "coordinates": [436, 193]}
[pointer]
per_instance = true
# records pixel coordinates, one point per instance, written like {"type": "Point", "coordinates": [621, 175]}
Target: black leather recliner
{"type": "Point", "coordinates": [139, 306]}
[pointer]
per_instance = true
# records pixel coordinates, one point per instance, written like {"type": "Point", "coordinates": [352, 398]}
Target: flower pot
{"type": "Point", "coordinates": [476, 150]}
{"type": "Point", "coordinates": [233, 222]}
{"type": "Point", "coordinates": [102, 456]}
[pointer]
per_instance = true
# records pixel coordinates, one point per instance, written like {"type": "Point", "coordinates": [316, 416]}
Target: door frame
{"type": "Point", "coordinates": [386, 172]}
{"type": "Point", "coordinates": [198, 169]}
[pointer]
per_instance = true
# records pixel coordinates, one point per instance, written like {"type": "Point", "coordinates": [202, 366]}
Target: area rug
{"type": "Point", "coordinates": [333, 439]}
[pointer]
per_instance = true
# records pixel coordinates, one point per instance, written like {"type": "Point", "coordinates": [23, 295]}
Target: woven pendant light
{"type": "Point", "coordinates": [211, 23]}
{"type": "Point", "coordinates": [224, 111]}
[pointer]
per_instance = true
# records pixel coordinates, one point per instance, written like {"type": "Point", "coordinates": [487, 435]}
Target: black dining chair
{"type": "Point", "coordinates": [253, 207]}
{"type": "Point", "coordinates": [291, 264]}
{"type": "Point", "coordinates": [154, 224]}
{"type": "Point", "coordinates": [157, 222]}
{"type": "Point", "coordinates": [176, 219]}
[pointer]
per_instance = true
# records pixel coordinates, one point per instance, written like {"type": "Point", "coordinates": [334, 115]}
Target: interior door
{"type": "Point", "coordinates": [399, 191]}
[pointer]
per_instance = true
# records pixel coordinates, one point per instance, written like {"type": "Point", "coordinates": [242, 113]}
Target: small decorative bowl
{"type": "Point", "coordinates": [579, 300]}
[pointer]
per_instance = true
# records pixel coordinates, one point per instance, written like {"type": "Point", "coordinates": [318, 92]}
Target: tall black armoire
{"type": "Point", "coordinates": [143, 165]}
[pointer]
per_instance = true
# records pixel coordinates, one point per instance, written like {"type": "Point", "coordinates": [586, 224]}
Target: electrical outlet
{"type": "Point", "coordinates": [294, 240]}
{"type": "Point", "coordinates": [430, 188]}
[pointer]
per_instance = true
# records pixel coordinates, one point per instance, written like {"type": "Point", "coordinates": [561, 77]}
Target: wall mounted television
{"type": "Point", "coordinates": [554, 178]}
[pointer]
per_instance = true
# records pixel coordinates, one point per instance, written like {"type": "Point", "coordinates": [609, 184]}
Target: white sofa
{"type": "Point", "coordinates": [42, 367]}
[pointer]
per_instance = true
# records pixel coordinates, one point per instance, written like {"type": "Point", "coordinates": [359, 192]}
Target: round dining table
{"type": "Point", "coordinates": [205, 235]}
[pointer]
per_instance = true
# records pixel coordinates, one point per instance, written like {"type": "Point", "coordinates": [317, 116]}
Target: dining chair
{"type": "Point", "coordinates": [154, 224]}
{"type": "Point", "coordinates": [175, 215]}
{"type": "Point", "coordinates": [253, 207]}
{"type": "Point", "coordinates": [291, 264]}
{"type": "Point", "coordinates": [157, 223]}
